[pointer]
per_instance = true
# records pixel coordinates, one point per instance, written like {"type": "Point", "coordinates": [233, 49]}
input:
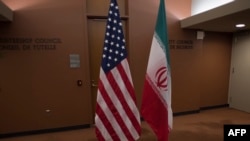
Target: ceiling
{"type": "Point", "coordinates": [6, 14]}
{"type": "Point", "coordinates": [221, 19]}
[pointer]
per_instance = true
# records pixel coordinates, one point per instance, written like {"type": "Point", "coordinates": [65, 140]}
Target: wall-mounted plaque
{"type": "Point", "coordinates": [74, 60]}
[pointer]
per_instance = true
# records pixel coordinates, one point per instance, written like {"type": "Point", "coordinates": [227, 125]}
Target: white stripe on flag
{"type": "Point", "coordinates": [153, 64]}
{"type": "Point", "coordinates": [129, 101]}
{"type": "Point", "coordinates": [109, 116]}
{"type": "Point", "coordinates": [127, 96]}
{"type": "Point", "coordinates": [117, 102]}
{"type": "Point", "coordinates": [126, 68]}
{"type": "Point", "coordinates": [102, 128]}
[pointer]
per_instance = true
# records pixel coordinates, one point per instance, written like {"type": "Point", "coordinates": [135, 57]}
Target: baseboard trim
{"type": "Point", "coordinates": [201, 109]}
{"type": "Point", "coordinates": [9, 135]}
{"type": "Point", "coordinates": [214, 107]}
{"type": "Point", "coordinates": [186, 113]}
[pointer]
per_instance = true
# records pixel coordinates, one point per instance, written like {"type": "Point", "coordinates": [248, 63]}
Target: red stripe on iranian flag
{"type": "Point", "coordinates": [156, 100]}
{"type": "Point", "coordinates": [157, 119]}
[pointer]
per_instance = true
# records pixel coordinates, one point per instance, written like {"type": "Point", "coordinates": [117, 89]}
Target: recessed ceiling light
{"type": "Point", "coordinates": [240, 25]}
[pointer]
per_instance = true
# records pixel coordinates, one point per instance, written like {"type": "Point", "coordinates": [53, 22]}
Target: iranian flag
{"type": "Point", "coordinates": [156, 100]}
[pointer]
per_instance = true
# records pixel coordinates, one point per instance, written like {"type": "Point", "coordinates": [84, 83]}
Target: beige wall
{"type": "Point", "coordinates": [35, 80]}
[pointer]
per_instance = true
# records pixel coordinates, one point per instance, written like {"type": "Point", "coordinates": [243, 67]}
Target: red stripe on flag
{"type": "Point", "coordinates": [123, 102]}
{"type": "Point", "coordinates": [112, 107]}
{"type": "Point", "coordinates": [130, 89]}
{"type": "Point", "coordinates": [106, 123]}
{"type": "Point", "coordinates": [126, 80]}
{"type": "Point", "coordinates": [99, 135]}
{"type": "Point", "coordinates": [151, 105]}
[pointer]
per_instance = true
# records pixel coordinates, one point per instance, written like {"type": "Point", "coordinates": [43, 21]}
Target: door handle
{"type": "Point", "coordinates": [93, 83]}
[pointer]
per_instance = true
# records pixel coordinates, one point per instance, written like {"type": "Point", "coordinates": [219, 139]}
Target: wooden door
{"type": "Point", "coordinates": [96, 31]}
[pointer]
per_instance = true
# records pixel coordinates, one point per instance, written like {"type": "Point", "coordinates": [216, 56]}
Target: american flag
{"type": "Point", "coordinates": [117, 117]}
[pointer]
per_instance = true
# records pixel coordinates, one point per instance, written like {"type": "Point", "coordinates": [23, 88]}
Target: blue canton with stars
{"type": "Point", "coordinates": [114, 45]}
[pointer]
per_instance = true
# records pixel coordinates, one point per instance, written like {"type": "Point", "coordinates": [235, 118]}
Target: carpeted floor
{"type": "Point", "coordinates": [207, 125]}
{"type": "Point", "coordinates": [204, 126]}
